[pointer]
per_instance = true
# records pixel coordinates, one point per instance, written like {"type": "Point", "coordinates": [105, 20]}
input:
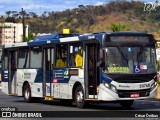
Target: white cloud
{"type": "Point", "coordinates": [31, 6]}
{"type": "Point", "coordinates": [99, 3]}
{"type": "Point", "coordinates": [1, 6]}
{"type": "Point", "coordinates": [15, 1]}
{"type": "Point", "coordinates": [70, 2]}
{"type": "Point", "coordinates": [51, 7]}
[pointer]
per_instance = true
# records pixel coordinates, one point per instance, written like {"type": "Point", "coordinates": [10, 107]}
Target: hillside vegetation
{"type": "Point", "coordinates": [129, 16]}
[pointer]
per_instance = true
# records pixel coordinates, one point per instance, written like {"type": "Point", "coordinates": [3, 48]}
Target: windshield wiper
{"type": "Point", "coordinates": [124, 57]}
{"type": "Point", "coordinates": [139, 53]}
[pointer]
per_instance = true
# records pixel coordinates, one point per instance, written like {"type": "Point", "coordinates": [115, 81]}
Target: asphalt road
{"type": "Point", "coordinates": [18, 102]}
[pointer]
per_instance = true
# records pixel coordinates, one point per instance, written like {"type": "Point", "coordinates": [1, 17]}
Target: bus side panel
{"type": "Point", "coordinates": [33, 77]}
{"type": "Point", "coordinates": [65, 82]}
{"type": "Point", "coordinates": [56, 88]}
{"type": "Point", "coordinates": [61, 91]}
{"type": "Point", "coordinates": [20, 81]}
{"type": "Point", "coordinates": [14, 82]}
{"type": "Point", "coordinates": [64, 90]}
{"type": "Point", "coordinates": [73, 80]}
{"type": "Point", "coordinates": [5, 81]}
{"type": "Point", "coordinates": [36, 86]}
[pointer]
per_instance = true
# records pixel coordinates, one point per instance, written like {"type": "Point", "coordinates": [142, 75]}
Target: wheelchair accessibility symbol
{"type": "Point", "coordinates": [137, 69]}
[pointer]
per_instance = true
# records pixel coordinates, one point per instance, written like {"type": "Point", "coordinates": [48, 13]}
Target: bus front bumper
{"type": "Point", "coordinates": [106, 94]}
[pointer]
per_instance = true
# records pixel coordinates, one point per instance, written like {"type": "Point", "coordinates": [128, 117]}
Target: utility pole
{"type": "Point", "coordinates": [14, 34]}
{"type": "Point", "coordinates": [23, 23]}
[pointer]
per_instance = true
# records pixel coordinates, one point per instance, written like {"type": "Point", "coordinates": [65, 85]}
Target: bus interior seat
{"type": "Point", "coordinates": [60, 63]}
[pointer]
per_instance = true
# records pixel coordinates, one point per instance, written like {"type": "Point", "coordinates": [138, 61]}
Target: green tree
{"type": "Point", "coordinates": [119, 27]}
{"type": "Point", "coordinates": [31, 36]}
{"type": "Point", "coordinates": [8, 13]}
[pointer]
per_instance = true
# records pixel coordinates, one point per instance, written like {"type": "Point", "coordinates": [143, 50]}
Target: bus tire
{"type": "Point", "coordinates": [79, 97]}
{"type": "Point", "coordinates": [27, 93]}
{"type": "Point", "coordinates": [126, 104]}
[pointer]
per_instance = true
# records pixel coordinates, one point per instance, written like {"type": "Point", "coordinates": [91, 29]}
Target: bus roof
{"type": "Point", "coordinates": [128, 33]}
{"type": "Point", "coordinates": [60, 38]}
{"type": "Point", "coordinates": [54, 36]}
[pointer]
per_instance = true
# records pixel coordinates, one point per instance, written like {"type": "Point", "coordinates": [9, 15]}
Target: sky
{"type": "Point", "coordinates": [39, 6]}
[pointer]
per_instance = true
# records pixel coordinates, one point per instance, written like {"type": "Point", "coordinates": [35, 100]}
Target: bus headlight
{"type": "Point", "coordinates": [153, 85]}
{"type": "Point", "coordinates": [110, 86]}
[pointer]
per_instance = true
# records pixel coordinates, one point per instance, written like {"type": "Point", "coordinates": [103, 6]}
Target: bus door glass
{"type": "Point", "coordinates": [92, 77]}
{"type": "Point", "coordinates": [47, 74]}
{"type": "Point", "coordinates": [12, 72]}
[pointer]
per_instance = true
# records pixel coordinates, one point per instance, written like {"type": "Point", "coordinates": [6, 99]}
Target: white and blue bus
{"type": "Point", "coordinates": [118, 67]}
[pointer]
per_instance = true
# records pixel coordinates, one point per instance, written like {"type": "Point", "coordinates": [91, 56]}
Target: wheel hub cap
{"type": "Point", "coordinates": [27, 94]}
{"type": "Point", "coordinates": [79, 96]}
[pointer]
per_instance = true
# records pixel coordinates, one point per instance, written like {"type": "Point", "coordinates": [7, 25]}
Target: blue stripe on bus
{"type": "Point", "coordinates": [104, 78]}
{"type": "Point", "coordinates": [39, 76]}
{"type": "Point", "coordinates": [48, 76]}
{"type": "Point", "coordinates": [4, 77]}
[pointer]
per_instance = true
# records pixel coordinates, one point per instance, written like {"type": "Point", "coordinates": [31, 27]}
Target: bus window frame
{"type": "Point", "coordinates": [52, 55]}
{"type": "Point", "coordinates": [56, 55]}
{"type": "Point", "coordinates": [82, 45]}
{"type": "Point", "coordinates": [16, 49]}
{"type": "Point", "coordinates": [20, 48]}
{"type": "Point", "coordinates": [30, 49]}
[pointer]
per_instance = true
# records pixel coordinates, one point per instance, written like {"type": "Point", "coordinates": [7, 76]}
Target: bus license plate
{"type": "Point", "coordinates": [134, 95]}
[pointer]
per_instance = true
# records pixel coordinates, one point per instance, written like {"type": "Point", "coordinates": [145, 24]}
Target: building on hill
{"type": "Point", "coordinates": [7, 31]}
{"type": "Point", "coordinates": [11, 33]}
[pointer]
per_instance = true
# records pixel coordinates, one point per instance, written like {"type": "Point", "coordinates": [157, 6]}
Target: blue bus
{"type": "Point", "coordinates": [82, 68]}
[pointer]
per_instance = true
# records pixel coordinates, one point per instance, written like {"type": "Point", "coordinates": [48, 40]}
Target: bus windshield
{"type": "Point", "coordinates": [131, 60]}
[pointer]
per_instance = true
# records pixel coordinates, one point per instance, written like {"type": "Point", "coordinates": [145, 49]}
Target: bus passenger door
{"type": "Point", "coordinates": [47, 71]}
{"type": "Point", "coordinates": [91, 79]}
{"type": "Point", "coordinates": [12, 72]}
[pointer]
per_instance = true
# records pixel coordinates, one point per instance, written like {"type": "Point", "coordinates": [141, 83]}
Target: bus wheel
{"type": "Point", "coordinates": [27, 93]}
{"type": "Point", "coordinates": [126, 104]}
{"type": "Point", "coordinates": [79, 97]}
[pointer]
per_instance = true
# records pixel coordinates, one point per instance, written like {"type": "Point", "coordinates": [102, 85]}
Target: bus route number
{"type": "Point", "coordinates": [144, 85]}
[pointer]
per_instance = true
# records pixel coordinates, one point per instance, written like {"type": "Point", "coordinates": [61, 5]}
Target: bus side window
{"type": "Point", "coordinates": [76, 55]}
{"type": "Point", "coordinates": [23, 58]}
{"type": "Point", "coordinates": [13, 60]}
{"type": "Point", "coordinates": [36, 57]}
{"type": "Point", "coordinates": [61, 55]}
